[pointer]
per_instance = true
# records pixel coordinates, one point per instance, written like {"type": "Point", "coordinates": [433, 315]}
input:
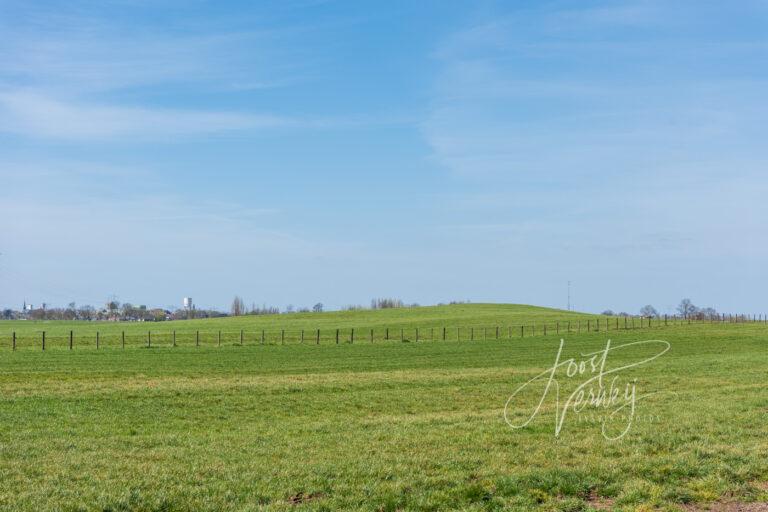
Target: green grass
{"type": "Point", "coordinates": [383, 426]}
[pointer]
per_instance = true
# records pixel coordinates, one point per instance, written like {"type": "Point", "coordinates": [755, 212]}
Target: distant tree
{"type": "Point", "coordinates": [608, 312]}
{"type": "Point", "coordinates": [264, 310]}
{"type": "Point", "coordinates": [238, 307]}
{"type": "Point", "coordinates": [112, 307]}
{"type": "Point", "coordinates": [37, 314]}
{"type": "Point", "coordinates": [289, 308]}
{"type": "Point", "coordinates": [648, 311]}
{"type": "Point", "coordinates": [158, 315]}
{"type": "Point", "coordinates": [7, 314]}
{"type": "Point", "coordinates": [686, 308]}
{"type": "Point", "coordinates": [318, 308]}
{"type": "Point", "coordinates": [70, 313]}
{"type": "Point", "coordinates": [387, 303]}
{"type": "Point", "coordinates": [706, 313]}
{"type": "Point", "coordinates": [86, 313]}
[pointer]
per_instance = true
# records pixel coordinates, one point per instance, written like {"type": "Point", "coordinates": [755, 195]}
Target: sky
{"type": "Point", "coordinates": [304, 151]}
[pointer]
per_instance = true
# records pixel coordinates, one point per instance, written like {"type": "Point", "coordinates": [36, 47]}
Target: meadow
{"type": "Point", "coordinates": [396, 425]}
{"type": "Point", "coordinates": [460, 321]}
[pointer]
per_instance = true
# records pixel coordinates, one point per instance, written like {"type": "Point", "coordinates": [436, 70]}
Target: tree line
{"type": "Point", "coordinates": [686, 309]}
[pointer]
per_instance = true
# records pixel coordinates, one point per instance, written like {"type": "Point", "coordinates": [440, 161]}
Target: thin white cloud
{"type": "Point", "coordinates": [538, 93]}
{"type": "Point", "coordinates": [80, 54]}
{"type": "Point", "coordinates": [35, 115]}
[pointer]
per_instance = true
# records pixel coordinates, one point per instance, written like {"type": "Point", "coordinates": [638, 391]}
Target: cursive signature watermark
{"type": "Point", "coordinates": [597, 386]}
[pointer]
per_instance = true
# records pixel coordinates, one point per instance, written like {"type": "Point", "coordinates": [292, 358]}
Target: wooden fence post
{"type": "Point", "coordinates": [302, 336]}
{"type": "Point", "coordinates": [174, 338]}
{"type": "Point", "coordinates": [241, 337]}
{"type": "Point", "coordinates": [97, 340]}
{"type": "Point", "coordinates": [282, 336]}
{"type": "Point", "coordinates": [371, 335]}
{"type": "Point", "coordinates": [402, 336]}
{"type": "Point", "coordinates": [197, 338]}
{"type": "Point", "coordinates": [14, 340]}
{"type": "Point", "coordinates": [337, 336]}
{"type": "Point", "coordinates": [557, 328]}
{"type": "Point", "coordinates": [417, 334]}
{"type": "Point", "coordinates": [352, 335]}
{"type": "Point", "coordinates": [386, 334]}
{"type": "Point", "coordinates": [317, 340]}
{"type": "Point", "coordinates": [43, 340]}
{"type": "Point", "coordinates": [71, 339]}
{"type": "Point", "coordinates": [545, 328]}
{"type": "Point", "coordinates": [219, 338]}
{"type": "Point", "coordinates": [122, 342]}
{"type": "Point", "coordinates": [522, 331]}
{"type": "Point", "coordinates": [443, 333]}
{"type": "Point", "coordinates": [149, 339]}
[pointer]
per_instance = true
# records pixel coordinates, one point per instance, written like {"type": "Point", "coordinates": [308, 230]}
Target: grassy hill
{"type": "Point", "coordinates": [429, 319]}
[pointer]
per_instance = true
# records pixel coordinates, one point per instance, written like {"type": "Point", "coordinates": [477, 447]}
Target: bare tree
{"type": "Point", "coordinates": [385, 303]}
{"type": "Point", "coordinates": [318, 308]}
{"type": "Point", "coordinates": [686, 308]}
{"type": "Point", "coordinates": [648, 311]}
{"type": "Point", "coordinates": [238, 306]}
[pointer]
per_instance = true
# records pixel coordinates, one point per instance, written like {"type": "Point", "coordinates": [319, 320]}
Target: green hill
{"type": "Point", "coordinates": [472, 319]}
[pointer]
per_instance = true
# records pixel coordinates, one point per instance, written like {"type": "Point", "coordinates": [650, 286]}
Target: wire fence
{"type": "Point", "coordinates": [173, 338]}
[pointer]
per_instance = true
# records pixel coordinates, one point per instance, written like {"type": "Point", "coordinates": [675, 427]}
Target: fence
{"type": "Point", "coordinates": [319, 336]}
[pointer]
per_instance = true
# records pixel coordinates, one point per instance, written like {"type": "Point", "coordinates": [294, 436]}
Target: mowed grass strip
{"type": "Point", "coordinates": [385, 426]}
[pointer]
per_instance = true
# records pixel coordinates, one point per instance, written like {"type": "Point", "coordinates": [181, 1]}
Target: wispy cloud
{"type": "Point", "coordinates": [35, 115]}
{"type": "Point", "coordinates": [544, 91]}
{"type": "Point", "coordinates": [84, 76]}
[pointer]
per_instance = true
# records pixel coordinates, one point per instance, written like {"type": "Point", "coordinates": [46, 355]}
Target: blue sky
{"type": "Point", "coordinates": [301, 151]}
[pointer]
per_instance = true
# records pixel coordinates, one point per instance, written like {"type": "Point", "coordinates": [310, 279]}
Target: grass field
{"type": "Point", "coordinates": [383, 426]}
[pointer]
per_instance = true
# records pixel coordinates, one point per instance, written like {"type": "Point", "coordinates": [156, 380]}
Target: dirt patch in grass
{"type": "Point", "coordinates": [300, 497]}
{"type": "Point", "coordinates": [598, 502]}
{"type": "Point", "coordinates": [734, 506]}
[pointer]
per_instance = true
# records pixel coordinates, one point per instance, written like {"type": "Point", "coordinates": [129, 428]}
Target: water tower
{"type": "Point", "coordinates": [187, 303]}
